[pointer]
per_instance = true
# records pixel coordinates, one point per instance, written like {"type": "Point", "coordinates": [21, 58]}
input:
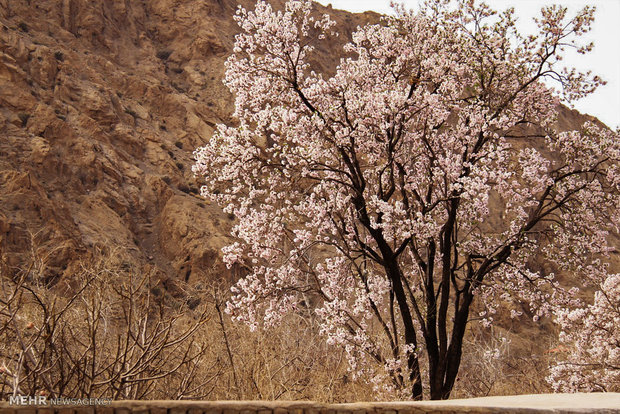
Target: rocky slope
{"type": "Point", "coordinates": [101, 106]}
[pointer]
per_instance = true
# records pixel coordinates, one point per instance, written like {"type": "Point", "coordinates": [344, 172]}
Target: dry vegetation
{"type": "Point", "coordinates": [110, 332]}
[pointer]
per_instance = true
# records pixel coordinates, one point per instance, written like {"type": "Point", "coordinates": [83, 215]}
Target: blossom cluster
{"type": "Point", "coordinates": [591, 335]}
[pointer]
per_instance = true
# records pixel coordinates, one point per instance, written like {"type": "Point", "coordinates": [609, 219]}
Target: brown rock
{"type": "Point", "coordinates": [40, 148]}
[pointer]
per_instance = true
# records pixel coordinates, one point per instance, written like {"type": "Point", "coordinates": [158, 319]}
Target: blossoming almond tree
{"type": "Point", "coordinates": [419, 179]}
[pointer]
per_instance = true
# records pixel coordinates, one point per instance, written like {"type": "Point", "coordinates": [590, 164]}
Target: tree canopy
{"type": "Point", "coordinates": [417, 183]}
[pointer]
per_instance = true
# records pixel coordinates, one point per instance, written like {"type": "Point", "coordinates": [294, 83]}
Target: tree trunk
{"type": "Point", "coordinates": [453, 354]}
{"type": "Point", "coordinates": [410, 336]}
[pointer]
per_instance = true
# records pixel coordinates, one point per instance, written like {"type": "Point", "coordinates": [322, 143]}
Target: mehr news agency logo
{"type": "Point", "coordinates": [25, 400]}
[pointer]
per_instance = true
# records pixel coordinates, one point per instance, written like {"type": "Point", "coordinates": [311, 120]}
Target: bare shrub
{"type": "Point", "coordinates": [99, 334]}
{"type": "Point", "coordinates": [105, 331]}
{"type": "Point", "coordinates": [288, 362]}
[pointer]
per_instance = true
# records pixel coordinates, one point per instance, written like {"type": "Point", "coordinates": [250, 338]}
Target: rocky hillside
{"type": "Point", "coordinates": [101, 106]}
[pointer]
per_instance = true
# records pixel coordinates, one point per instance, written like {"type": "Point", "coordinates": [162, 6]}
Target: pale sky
{"type": "Point", "coordinates": [604, 60]}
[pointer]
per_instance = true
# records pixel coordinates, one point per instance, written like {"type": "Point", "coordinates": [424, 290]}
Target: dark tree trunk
{"type": "Point", "coordinates": [413, 363]}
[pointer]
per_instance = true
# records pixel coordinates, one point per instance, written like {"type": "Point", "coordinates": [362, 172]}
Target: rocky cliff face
{"type": "Point", "coordinates": [101, 106]}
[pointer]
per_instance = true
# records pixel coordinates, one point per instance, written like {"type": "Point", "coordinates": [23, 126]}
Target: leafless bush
{"type": "Point", "coordinates": [289, 362]}
{"type": "Point", "coordinates": [99, 334]}
{"type": "Point", "coordinates": [106, 332]}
